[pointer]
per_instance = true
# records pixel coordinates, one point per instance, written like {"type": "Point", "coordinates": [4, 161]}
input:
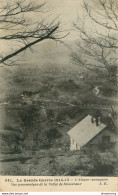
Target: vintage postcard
{"type": "Point", "coordinates": [58, 95]}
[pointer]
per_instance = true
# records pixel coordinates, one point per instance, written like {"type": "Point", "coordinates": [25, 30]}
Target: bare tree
{"type": "Point", "coordinates": [17, 25]}
{"type": "Point", "coordinates": [98, 44]}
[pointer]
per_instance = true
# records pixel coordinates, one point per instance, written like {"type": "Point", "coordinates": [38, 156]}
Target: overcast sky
{"type": "Point", "coordinates": [50, 51]}
{"type": "Point", "coordinates": [67, 10]}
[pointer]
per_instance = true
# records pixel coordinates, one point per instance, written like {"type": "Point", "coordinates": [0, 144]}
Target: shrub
{"type": "Point", "coordinates": [53, 134]}
{"type": "Point", "coordinates": [101, 167]}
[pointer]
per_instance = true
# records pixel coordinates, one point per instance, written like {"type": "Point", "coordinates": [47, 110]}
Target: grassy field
{"type": "Point", "coordinates": [37, 142]}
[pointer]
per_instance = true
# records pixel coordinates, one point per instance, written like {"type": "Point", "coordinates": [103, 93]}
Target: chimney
{"type": "Point", "coordinates": [97, 121]}
{"type": "Point", "coordinates": [92, 120]}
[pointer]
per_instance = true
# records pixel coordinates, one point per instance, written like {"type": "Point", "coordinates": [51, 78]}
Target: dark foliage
{"type": "Point", "coordinates": [53, 134]}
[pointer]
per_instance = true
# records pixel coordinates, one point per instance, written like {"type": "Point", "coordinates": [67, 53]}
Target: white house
{"type": "Point", "coordinates": [84, 132]}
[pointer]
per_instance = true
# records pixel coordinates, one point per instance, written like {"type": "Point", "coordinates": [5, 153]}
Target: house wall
{"type": "Point", "coordinates": [73, 145]}
{"type": "Point", "coordinates": [97, 142]}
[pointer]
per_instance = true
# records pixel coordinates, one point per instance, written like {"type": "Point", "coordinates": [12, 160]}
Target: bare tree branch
{"type": "Point", "coordinates": [29, 45]}
{"type": "Point", "coordinates": [96, 51]}
{"type": "Point", "coordinates": [19, 26]}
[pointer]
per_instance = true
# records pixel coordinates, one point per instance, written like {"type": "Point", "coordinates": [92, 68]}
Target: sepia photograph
{"type": "Point", "coordinates": [58, 88]}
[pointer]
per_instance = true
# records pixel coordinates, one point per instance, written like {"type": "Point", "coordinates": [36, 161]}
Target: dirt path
{"type": "Point", "coordinates": [97, 93]}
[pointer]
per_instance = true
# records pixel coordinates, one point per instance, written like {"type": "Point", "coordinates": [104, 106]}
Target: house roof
{"type": "Point", "coordinates": [85, 130]}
